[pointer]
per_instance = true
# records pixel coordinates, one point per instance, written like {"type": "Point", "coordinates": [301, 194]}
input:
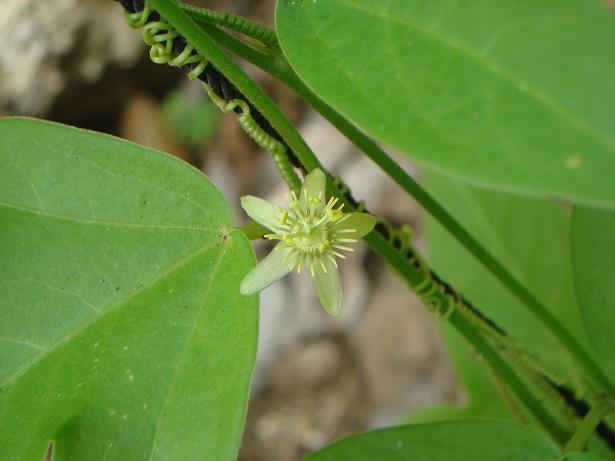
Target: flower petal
{"type": "Point", "coordinates": [328, 287]}
{"type": "Point", "coordinates": [314, 186]}
{"type": "Point", "coordinates": [262, 211]}
{"type": "Point", "coordinates": [360, 224]}
{"type": "Point", "coordinates": [273, 267]}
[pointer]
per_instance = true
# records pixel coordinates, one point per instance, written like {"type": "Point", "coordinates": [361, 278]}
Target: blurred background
{"type": "Point", "coordinates": [316, 378]}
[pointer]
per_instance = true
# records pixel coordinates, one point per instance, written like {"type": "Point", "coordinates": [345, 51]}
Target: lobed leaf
{"type": "Point", "coordinates": [122, 331]}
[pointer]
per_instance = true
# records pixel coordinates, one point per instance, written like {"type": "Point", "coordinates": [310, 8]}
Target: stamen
{"type": "Point", "coordinates": [281, 229]}
{"type": "Point", "coordinates": [300, 265]}
{"type": "Point", "coordinates": [344, 240]}
{"type": "Point", "coordinates": [322, 264]}
{"type": "Point", "coordinates": [312, 207]}
{"type": "Point", "coordinates": [321, 220]}
{"type": "Point", "coordinates": [332, 260]}
{"type": "Point", "coordinates": [295, 260]}
{"type": "Point", "coordinates": [340, 247]}
{"type": "Point", "coordinates": [343, 218]}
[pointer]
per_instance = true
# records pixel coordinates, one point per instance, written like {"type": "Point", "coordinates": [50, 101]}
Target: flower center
{"type": "Point", "coordinates": [312, 239]}
{"type": "Point", "coordinates": [311, 231]}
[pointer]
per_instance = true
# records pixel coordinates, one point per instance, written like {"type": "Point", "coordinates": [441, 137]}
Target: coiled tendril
{"type": "Point", "coordinates": [440, 298]}
{"type": "Point", "coordinates": [167, 46]}
{"type": "Point", "coordinates": [263, 34]}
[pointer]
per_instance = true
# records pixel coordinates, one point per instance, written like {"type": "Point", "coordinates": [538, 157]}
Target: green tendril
{"type": "Point", "coordinates": [160, 36]}
{"type": "Point", "coordinates": [438, 299]}
{"type": "Point", "coordinates": [244, 26]}
{"type": "Point", "coordinates": [259, 136]}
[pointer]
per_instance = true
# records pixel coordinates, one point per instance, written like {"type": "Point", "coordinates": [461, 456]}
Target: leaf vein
{"type": "Point", "coordinates": [106, 223]}
{"type": "Point", "coordinates": [167, 397]}
{"type": "Point", "coordinates": [103, 313]}
{"type": "Point", "coordinates": [494, 68]}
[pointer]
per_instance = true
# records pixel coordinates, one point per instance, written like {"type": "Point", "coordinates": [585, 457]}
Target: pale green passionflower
{"type": "Point", "coordinates": [311, 232]}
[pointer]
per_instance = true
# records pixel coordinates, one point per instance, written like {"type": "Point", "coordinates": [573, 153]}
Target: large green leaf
{"type": "Point", "coordinates": [448, 441]}
{"type": "Point", "coordinates": [584, 456]}
{"type": "Point", "coordinates": [593, 255]}
{"type": "Point", "coordinates": [122, 331]}
{"type": "Point", "coordinates": [517, 95]}
{"type": "Point", "coordinates": [530, 237]}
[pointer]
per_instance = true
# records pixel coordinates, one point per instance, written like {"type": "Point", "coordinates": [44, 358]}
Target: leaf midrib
{"type": "Point", "coordinates": [104, 312]}
{"type": "Point", "coordinates": [173, 380]}
{"type": "Point", "coordinates": [87, 221]}
{"type": "Point", "coordinates": [495, 69]}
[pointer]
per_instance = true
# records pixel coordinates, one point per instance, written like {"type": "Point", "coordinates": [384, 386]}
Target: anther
{"type": "Point", "coordinates": [284, 217]}
{"type": "Point", "coordinates": [341, 247]}
{"type": "Point", "coordinates": [322, 264]}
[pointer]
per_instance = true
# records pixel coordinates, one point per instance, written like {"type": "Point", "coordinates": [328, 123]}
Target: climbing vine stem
{"type": "Point", "coordinates": [280, 69]}
{"type": "Point", "coordinates": [580, 438]}
{"type": "Point", "coordinates": [205, 46]}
